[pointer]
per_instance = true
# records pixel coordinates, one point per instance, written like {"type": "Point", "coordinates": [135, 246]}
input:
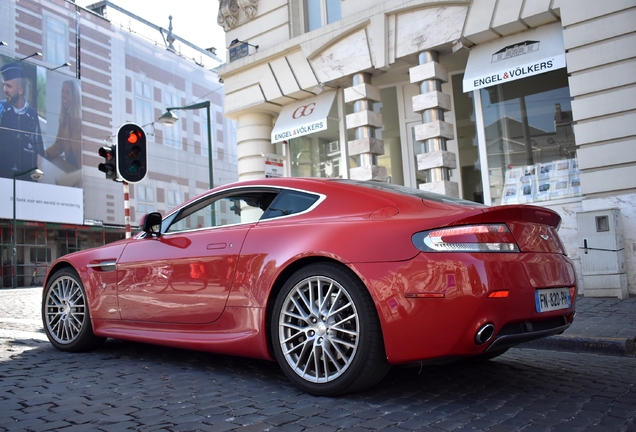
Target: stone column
{"type": "Point", "coordinates": [436, 162]}
{"type": "Point", "coordinates": [253, 137]}
{"type": "Point", "coordinates": [366, 147]}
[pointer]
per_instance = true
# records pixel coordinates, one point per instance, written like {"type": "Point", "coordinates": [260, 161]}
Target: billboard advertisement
{"type": "Point", "coordinates": [40, 127]}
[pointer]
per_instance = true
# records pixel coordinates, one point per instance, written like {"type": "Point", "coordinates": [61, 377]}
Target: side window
{"type": "Point", "coordinates": [290, 202]}
{"type": "Point", "coordinates": [231, 209]}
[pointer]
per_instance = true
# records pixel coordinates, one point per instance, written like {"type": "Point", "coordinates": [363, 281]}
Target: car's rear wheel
{"type": "Point", "coordinates": [325, 331]}
{"type": "Point", "coordinates": [65, 313]}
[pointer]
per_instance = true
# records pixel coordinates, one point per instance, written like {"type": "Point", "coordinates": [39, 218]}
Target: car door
{"type": "Point", "coordinates": [185, 274]}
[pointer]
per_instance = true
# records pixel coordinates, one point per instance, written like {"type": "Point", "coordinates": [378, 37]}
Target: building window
{"type": "Point", "coordinates": [319, 13]}
{"type": "Point", "coordinates": [145, 199]}
{"type": "Point", "coordinates": [55, 41]}
{"type": "Point", "coordinates": [531, 153]}
{"type": "Point", "coordinates": [143, 103]}
{"type": "Point", "coordinates": [171, 133]}
{"type": "Point", "coordinates": [174, 198]}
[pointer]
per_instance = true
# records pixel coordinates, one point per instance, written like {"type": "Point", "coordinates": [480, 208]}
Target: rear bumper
{"type": "Point", "coordinates": [514, 334]}
{"type": "Point", "coordinates": [434, 305]}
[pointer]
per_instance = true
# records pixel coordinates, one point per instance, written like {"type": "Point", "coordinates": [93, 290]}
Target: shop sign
{"type": "Point", "coordinates": [511, 58]}
{"type": "Point", "coordinates": [303, 117]}
{"type": "Point", "coordinates": [273, 169]}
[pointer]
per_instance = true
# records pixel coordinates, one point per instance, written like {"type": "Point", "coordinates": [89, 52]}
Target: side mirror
{"type": "Point", "coordinates": [151, 224]}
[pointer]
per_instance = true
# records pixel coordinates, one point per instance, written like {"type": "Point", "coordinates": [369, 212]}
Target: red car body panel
{"type": "Point", "coordinates": [427, 327]}
{"type": "Point", "coordinates": [211, 289]}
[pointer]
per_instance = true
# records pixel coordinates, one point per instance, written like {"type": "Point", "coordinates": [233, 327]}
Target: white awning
{"type": "Point", "coordinates": [303, 117]}
{"type": "Point", "coordinates": [514, 57]}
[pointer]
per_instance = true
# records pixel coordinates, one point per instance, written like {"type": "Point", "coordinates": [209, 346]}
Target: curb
{"type": "Point", "coordinates": [598, 345]}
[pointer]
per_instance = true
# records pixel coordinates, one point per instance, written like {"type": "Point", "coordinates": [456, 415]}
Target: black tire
{"type": "Point", "coordinates": [65, 313]}
{"type": "Point", "coordinates": [325, 332]}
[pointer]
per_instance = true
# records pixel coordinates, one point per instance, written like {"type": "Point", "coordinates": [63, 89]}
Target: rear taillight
{"type": "Point", "coordinates": [467, 238]}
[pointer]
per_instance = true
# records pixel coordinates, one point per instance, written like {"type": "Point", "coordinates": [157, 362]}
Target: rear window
{"type": "Point", "coordinates": [290, 202]}
{"type": "Point", "coordinates": [403, 190]}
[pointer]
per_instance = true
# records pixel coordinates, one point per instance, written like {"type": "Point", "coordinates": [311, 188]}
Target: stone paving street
{"type": "Point", "coordinates": [126, 386]}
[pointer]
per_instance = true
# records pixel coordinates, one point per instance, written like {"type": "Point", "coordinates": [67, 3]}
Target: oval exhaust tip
{"type": "Point", "coordinates": [484, 334]}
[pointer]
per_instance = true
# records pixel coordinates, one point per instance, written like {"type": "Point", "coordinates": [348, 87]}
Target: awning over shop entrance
{"type": "Point", "coordinates": [303, 117]}
{"type": "Point", "coordinates": [514, 57]}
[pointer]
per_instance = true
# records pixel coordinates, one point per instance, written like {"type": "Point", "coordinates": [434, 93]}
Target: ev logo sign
{"type": "Point", "coordinates": [304, 110]}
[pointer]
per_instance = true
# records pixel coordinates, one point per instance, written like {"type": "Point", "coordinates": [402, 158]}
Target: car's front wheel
{"type": "Point", "coordinates": [65, 313]}
{"type": "Point", "coordinates": [325, 331]}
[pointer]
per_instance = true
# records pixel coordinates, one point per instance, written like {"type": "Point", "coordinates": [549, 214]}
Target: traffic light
{"type": "Point", "coordinates": [109, 167]}
{"type": "Point", "coordinates": [132, 154]}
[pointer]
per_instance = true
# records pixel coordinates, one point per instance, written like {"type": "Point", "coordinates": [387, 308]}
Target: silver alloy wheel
{"type": "Point", "coordinates": [65, 310]}
{"type": "Point", "coordinates": [319, 329]}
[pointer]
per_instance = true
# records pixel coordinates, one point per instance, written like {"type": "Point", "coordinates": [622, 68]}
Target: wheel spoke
{"type": "Point", "coordinates": [319, 329]}
{"type": "Point", "coordinates": [65, 310]}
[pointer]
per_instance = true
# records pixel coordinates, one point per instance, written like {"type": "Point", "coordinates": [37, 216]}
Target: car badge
{"type": "Point", "coordinates": [544, 237]}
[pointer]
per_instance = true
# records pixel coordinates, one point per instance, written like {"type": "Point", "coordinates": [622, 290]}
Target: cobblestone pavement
{"type": "Point", "coordinates": [126, 386]}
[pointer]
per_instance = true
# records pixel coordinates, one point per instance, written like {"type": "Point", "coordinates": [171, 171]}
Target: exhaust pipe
{"type": "Point", "coordinates": [484, 334]}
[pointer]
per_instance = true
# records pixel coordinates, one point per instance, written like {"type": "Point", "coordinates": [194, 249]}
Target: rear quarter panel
{"type": "Point", "coordinates": [270, 248]}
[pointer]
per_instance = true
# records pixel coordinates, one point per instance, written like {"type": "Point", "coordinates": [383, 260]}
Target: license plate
{"type": "Point", "coordinates": [552, 299]}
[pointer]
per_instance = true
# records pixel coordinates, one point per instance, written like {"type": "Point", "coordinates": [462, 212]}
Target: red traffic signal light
{"type": "Point", "coordinates": [109, 167]}
{"type": "Point", "coordinates": [132, 155]}
{"type": "Point", "coordinates": [134, 136]}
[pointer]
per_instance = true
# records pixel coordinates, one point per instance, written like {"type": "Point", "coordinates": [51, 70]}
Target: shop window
{"type": "Point", "coordinates": [467, 143]}
{"type": "Point", "coordinates": [319, 13]}
{"type": "Point", "coordinates": [389, 133]}
{"type": "Point", "coordinates": [529, 140]}
{"type": "Point", "coordinates": [318, 154]}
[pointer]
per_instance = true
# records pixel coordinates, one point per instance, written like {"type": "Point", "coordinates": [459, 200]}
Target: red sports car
{"type": "Point", "coordinates": [334, 279]}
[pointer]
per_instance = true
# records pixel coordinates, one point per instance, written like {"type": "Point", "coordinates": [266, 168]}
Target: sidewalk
{"type": "Point", "coordinates": [602, 326]}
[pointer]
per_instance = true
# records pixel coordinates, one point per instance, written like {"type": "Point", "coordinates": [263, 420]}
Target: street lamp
{"type": "Point", "coordinates": [35, 54]}
{"type": "Point", "coordinates": [169, 119]}
{"type": "Point", "coordinates": [67, 64]}
{"type": "Point", "coordinates": [36, 174]}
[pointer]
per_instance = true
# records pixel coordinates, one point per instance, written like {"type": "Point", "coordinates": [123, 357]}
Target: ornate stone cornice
{"type": "Point", "coordinates": [250, 7]}
{"type": "Point", "coordinates": [228, 14]}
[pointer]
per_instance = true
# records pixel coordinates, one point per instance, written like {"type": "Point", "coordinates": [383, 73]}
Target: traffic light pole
{"type": "Point", "coordinates": [127, 208]}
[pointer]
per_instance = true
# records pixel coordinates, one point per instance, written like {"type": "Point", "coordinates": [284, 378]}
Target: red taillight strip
{"type": "Point", "coordinates": [467, 238]}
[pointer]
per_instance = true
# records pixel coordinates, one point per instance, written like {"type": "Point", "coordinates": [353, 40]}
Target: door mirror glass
{"type": "Point", "coordinates": [151, 224]}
